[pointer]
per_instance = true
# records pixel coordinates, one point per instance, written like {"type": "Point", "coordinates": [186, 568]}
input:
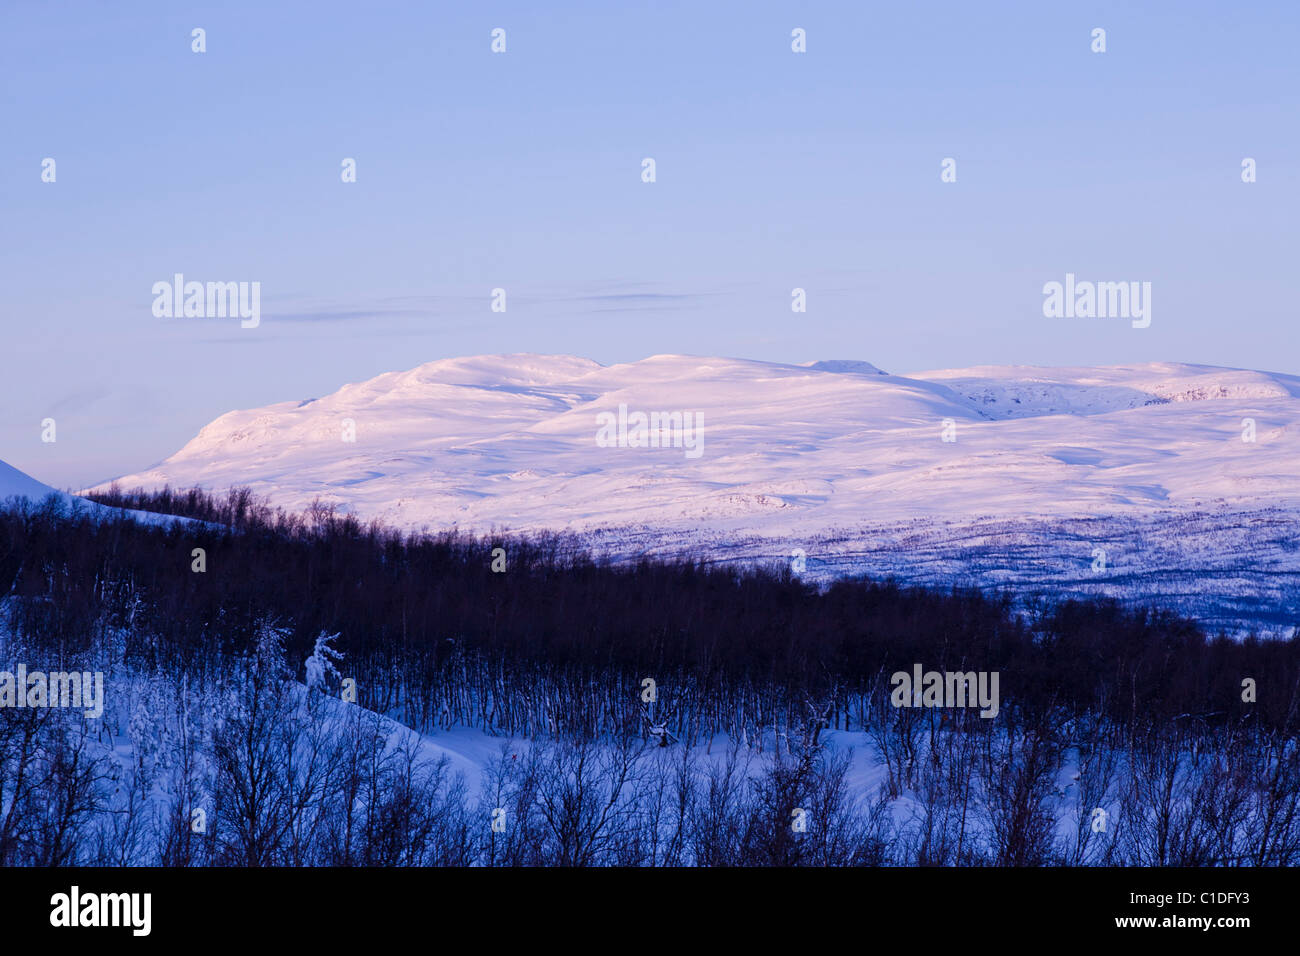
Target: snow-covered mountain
{"type": "Point", "coordinates": [17, 484]}
{"type": "Point", "coordinates": [1187, 476]}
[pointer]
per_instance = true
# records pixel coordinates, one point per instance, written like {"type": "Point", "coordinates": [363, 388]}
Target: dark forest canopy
{"type": "Point", "coordinates": [431, 633]}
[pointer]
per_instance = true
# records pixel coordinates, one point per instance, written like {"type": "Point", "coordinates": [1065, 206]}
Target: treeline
{"type": "Point", "coordinates": [553, 642]}
{"type": "Point", "coordinates": [210, 627]}
{"type": "Point", "coordinates": [258, 770]}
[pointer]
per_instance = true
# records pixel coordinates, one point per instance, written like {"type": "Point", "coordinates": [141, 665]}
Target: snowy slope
{"type": "Point", "coordinates": [797, 455]}
{"type": "Point", "coordinates": [1023, 391]}
{"type": "Point", "coordinates": [16, 484]}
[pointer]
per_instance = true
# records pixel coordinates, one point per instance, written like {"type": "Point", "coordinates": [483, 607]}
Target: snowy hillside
{"type": "Point", "coordinates": [836, 458]}
{"type": "Point", "coordinates": [16, 484]}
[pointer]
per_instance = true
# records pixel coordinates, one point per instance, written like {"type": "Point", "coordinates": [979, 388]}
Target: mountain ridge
{"type": "Point", "coordinates": [794, 456]}
{"type": "Point", "coordinates": [529, 406]}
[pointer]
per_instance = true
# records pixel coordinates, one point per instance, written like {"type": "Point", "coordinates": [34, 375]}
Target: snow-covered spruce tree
{"type": "Point", "coordinates": [320, 665]}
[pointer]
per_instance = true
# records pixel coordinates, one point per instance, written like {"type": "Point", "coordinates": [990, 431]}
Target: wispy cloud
{"type": "Point", "coordinates": [604, 297]}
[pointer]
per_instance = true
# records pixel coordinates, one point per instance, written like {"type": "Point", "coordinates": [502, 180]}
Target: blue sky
{"type": "Point", "coordinates": [522, 170]}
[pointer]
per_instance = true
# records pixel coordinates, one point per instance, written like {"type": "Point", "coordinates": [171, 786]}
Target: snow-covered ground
{"type": "Point", "coordinates": [1045, 467]}
{"type": "Point", "coordinates": [15, 484]}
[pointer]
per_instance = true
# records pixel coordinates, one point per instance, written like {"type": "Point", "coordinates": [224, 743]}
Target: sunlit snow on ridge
{"type": "Point", "coordinates": [835, 457]}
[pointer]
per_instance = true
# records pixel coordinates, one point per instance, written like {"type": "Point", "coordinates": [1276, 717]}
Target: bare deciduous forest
{"type": "Point", "coordinates": [213, 713]}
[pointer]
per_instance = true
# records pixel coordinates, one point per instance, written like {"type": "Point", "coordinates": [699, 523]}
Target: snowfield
{"type": "Point", "coordinates": [1134, 481]}
{"type": "Point", "coordinates": [16, 484]}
